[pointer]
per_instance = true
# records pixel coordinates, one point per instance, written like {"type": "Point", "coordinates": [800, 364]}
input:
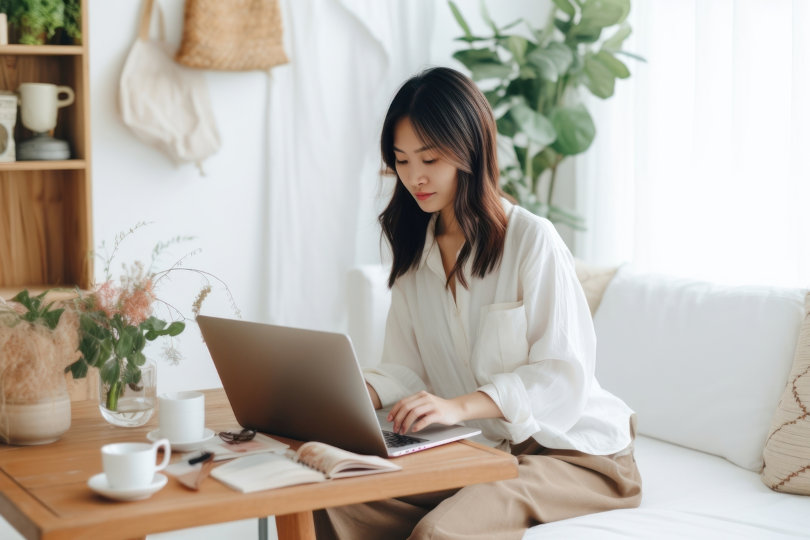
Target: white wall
{"type": "Point", "coordinates": [225, 210]}
{"type": "Point", "coordinates": [134, 182]}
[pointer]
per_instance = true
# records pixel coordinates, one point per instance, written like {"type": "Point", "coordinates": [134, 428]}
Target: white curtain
{"type": "Point", "coordinates": [325, 111]}
{"type": "Point", "coordinates": [700, 166]}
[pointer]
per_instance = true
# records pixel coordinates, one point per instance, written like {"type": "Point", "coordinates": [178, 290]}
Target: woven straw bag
{"type": "Point", "coordinates": [237, 35]}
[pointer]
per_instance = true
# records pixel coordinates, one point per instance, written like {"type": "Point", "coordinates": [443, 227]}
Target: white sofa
{"type": "Point", "coordinates": [704, 367]}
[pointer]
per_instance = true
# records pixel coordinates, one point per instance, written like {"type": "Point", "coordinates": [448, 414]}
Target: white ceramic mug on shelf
{"type": "Point", "coordinates": [39, 103]}
{"type": "Point", "coordinates": [182, 416]}
{"type": "Point", "coordinates": [133, 465]}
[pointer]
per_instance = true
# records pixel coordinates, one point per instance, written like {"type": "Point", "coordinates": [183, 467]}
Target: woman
{"type": "Point", "coordinates": [489, 326]}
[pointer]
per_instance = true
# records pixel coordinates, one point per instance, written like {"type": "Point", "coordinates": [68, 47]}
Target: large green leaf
{"type": "Point", "coordinates": [110, 371]}
{"type": "Point", "coordinates": [616, 66]}
{"type": "Point", "coordinates": [546, 67]}
{"type": "Point", "coordinates": [138, 359]}
{"type": "Point", "coordinates": [506, 126]}
{"type": "Point", "coordinates": [105, 350]}
{"type": "Point", "coordinates": [51, 318]}
{"type": "Point", "coordinates": [460, 19]}
{"type": "Point", "coordinates": [536, 126]}
{"type": "Point", "coordinates": [614, 42]}
{"type": "Point", "coordinates": [78, 369]}
{"type": "Point", "coordinates": [132, 374]}
{"type": "Point", "coordinates": [522, 91]}
{"type": "Point", "coordinates": [563, 26]}
{"type": "Point", "coordinates": [483, 63]}
{"type": "Point", "coordinates": [470, 57]}
{"type": "Point", "coordinates": [517, 45]}
{"type": "Point", "coordinates": [493, 97]}
{"type": "Point", "coordinates": [89, 347]}
{"type": "Point", "coordinates": [487, 18]}
{"type": "Point", "coordinates": [521, 157]}
{"type": "Point", "coordinates": [598, 14]}
{"type": "Point", "coordinates": [575, 130]}
{"type": "Point", "coordinates": [545, 159]}
{"type": "Point", "coordinates": [598, 77]}
{"type": "Point", "coordinates": [566, 7]}
{"type": "Point", "coordinates": [176, 328]}
{"type": "Point", "coordinates": [561, 55]}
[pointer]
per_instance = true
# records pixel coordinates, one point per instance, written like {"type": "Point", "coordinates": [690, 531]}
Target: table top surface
{"type": "Point", "coordinates": [44, 491]}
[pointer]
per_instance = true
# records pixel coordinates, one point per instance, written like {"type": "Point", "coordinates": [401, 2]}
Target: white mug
{"type": "Point", "coordinates": [39, 104]}
{"type": "Point", "coordinates": [182, 416]}
{"type": "Point", "coordinates": [132, 465]}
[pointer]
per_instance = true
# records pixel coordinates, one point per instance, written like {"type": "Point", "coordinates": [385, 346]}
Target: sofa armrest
{"type": "Point", "coordinates": [368, 300]}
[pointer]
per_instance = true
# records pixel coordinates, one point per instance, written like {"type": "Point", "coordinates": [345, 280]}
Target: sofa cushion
{"type": "Point", "coordinates": [690, 495]}
{"type": "Point", "coordinates": [787, 451]}
{"type": "Point", "coordinates": [702, 364]}
{"type": "Point", "coordinates": [594, 281]}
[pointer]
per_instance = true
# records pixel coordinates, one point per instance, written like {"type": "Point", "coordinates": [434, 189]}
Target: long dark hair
{"type": "Point", "coordinates": [449, 112]}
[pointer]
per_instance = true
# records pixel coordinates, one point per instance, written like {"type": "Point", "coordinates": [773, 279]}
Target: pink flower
{"type": "Point", "coordinates": [136, 306]}
{"type": "Point", "coordinates": [106, 298]}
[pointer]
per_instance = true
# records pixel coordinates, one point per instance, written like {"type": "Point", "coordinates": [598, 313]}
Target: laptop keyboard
{"type": "Point", "coordinates": [395, 440]}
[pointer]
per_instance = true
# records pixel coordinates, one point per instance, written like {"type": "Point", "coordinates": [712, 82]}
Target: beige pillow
{"type": "Point", "coordinates": [787, 449]}
{"type": "Point", "coordinates": [594, 280]}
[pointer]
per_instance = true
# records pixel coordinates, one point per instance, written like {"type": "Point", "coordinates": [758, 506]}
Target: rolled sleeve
{"type": "Point", "coordinates": [393, 382]}
{"type": "Point", "coordinates": [508, 392]}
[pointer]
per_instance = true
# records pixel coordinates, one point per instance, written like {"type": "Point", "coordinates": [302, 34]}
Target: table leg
{"type": "Point", "coordinates": [263, 528]}
{"type": "Point", "coordinates": [298, 526]}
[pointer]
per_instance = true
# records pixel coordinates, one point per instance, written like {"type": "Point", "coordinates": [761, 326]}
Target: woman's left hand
{"type": "Point", "coordinates": [420, 410]}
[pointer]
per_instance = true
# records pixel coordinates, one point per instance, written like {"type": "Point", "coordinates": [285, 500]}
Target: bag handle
{"type": "Point", "coordinates": [146, 21]}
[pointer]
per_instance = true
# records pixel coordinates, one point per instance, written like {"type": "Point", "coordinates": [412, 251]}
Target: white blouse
{"type": "Point", "coordinates": [523, 335]}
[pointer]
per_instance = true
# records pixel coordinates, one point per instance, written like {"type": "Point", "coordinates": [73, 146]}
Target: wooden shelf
{"type": "Point", "coordinates": [42, 50]}
{"type": "Point", "coordinates": [55, 165]}
{"type": "Point", "coordinates": [46, 213]}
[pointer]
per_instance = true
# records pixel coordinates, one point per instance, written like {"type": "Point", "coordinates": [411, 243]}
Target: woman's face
{"type": "Point", "coordinates": [425, 174]}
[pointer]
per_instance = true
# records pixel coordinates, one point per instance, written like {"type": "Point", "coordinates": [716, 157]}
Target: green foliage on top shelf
{"type": "Point", "coordinates": [531, 80]}
{"type": "Point", "coordinates": [38, 20]}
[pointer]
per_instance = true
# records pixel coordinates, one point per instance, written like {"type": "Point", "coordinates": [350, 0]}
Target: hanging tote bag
{"type": "Point", "coordinates": [238, 35]}
{"type": "Point", "coordinates": [166, 104]}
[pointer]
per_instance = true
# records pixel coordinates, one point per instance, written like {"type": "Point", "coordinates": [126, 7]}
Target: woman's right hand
{"type": "Point", "coordinates": [375, 399]}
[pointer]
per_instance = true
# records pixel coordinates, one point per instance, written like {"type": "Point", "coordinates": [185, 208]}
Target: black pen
{"type": "Point", "coordinates": [201, 457]}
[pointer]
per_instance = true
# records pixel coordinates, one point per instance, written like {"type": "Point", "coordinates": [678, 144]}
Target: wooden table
{"type": "Point", "coordinates": [44, 493]}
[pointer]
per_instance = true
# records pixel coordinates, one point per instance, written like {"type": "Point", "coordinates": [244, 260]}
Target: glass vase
{"type": "Point", "coordinates": [130, 405]}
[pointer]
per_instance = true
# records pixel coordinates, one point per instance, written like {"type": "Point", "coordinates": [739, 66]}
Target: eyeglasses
{"type": "Point", "coordinates": [236, 438]}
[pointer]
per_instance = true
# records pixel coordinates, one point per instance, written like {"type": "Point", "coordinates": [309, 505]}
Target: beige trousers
{"type": "Point", "coordinates": [551, 485]}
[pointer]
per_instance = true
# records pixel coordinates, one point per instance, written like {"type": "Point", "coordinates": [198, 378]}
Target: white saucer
{"type": "Point", "coordinates": [186, 446]}
{"type": "Point", "coordinates": [99, 484]}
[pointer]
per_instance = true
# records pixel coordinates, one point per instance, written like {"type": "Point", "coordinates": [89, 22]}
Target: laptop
{"type": "Point", "coordinates": [307, 385]}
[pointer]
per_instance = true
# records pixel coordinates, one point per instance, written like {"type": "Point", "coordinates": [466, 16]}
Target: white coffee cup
{"type": "Point", "coordinates": [39, 103]}
{"type": "Point", "coordinates": [182, 416]}
{"type": "Point", "coordinates": [132, 465]}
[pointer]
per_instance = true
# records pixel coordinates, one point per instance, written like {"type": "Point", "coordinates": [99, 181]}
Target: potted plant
{"type": "Point", "coordinates": [37, 342]}
{"type": "Point", "coordinates": [531, 79]}
{"type": "Point", "coordinates": [117, 320]}
{"type": "Point", "coordinates": [36, 21]}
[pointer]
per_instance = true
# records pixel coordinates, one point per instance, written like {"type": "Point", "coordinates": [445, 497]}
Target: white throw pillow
{"type": "Point", "coordinates": [703, 365]}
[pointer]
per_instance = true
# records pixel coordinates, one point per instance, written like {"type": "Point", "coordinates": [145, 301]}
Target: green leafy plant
{"type": "Point", "coordinates": [37, 341]}
{"type": "Point", "coordinates": [116, 319]}
{"type": "Point", "coordinates": [36, 312]}
{"type": "Point", "coordinates": [38, 20]}
{"type": "Point", "coordinates": [531, 81]}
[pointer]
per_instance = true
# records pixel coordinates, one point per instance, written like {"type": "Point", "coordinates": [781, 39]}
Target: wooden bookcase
{"type": "Point", "coordinates": [45, 206]}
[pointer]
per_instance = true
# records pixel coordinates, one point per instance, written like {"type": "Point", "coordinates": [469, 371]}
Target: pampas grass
{"type": "Point", "coordinates": [33, 357]}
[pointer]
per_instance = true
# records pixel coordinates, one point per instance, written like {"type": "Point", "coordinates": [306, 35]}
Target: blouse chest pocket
{"type": "Point", "coordinates": [501, 345]}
